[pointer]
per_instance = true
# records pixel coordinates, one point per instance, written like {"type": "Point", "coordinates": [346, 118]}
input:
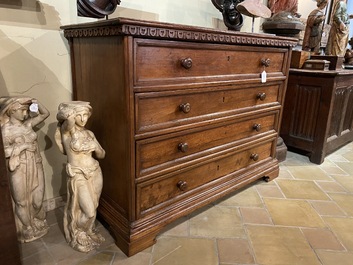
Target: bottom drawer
{"type": "Point", "coordinates": [151, 195]}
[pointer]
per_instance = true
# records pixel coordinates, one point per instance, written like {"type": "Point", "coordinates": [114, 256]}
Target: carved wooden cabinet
{"type": "Point", "coordinates": [182, 114]}
{"type": "Point", "coordinates": [318, 112]}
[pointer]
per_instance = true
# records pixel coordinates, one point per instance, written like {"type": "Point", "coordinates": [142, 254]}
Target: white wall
{"type": "Point", "coordinates": [35, 61]}
{"type": "Point", "coordinates": [305, 7]}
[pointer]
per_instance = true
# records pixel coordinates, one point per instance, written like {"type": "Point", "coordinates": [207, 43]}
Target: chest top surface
{"type": "Point", "coordinates": [169, 31]}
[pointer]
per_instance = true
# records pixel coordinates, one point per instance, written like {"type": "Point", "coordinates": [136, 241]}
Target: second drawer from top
{"type": "Point", "coordinates": [176, 110]}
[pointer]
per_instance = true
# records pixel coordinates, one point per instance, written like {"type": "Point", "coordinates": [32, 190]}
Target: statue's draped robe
{"type": "Point", "coordinates": [338, 40]}
{"type": "Point", "coordinates": [313, 31]}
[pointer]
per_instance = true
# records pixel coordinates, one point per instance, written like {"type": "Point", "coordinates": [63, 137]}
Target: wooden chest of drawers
{"type": "Point", "coordinates": [182, 114]}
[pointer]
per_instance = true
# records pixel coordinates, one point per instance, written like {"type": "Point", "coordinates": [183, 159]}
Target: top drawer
{"type": "Point", "coordinates": [178, 63]}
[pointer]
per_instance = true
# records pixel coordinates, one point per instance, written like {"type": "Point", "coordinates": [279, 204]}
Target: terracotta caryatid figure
{"type": "Point", "coordinates": [18, 116]}
{"type": "Point", "coordinates": [85, 180]}
{"type": "Point", "coordinates": [338, 36]}
{"type": "Point", "coordinates": [313, 29]}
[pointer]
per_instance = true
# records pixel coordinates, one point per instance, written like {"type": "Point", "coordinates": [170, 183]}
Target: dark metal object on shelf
{"type": "Point", "coordinates": [96, 8]}
{"type": "Point", "coordinates": [232, 18]}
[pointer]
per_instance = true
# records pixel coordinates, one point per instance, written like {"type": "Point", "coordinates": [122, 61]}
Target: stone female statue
{"type": "Point", "coordinates": [85, 180]}
{"type": "Point", "coordinates": [18, 116]}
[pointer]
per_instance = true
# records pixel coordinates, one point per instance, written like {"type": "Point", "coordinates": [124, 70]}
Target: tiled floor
{"type": "Point", "coordinates": [304, 217]}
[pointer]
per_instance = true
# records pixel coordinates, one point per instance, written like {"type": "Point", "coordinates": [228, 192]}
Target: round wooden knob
{"type": "Point", "coordinates": [257, 127]}
{"type": "Point", "coordinates": [185, 107]}
{"type": "Point", "coordinates": [186, 63]}
{"type": "Point", "coordinates": [183, 147]}
{"type": "Point", "coordinates": [182, 185]}
{"type": "Point", "coordinates": [261, 96]}
{"type": "Point", "coordinates": [266, 62]}
{"type": "Point", "coordinates": [254, 157]}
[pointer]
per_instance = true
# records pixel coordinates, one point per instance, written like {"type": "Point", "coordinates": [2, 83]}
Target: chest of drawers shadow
{"type": "Point", "coordinates": [182, 114]}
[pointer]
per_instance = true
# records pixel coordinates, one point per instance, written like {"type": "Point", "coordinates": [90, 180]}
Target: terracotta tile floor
{"type": "Point", "coordinates": [303, 217]}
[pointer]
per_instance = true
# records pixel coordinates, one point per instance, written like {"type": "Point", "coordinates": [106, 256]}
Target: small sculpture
{"type": "Point", "coordinates": [348, 56]}
{"type": "Point", "coordinates": [85, 180]}
{"type": "Point", "coordinates": [18, 116]}
{"type": "Point", "coordinates": [338, 36]}
{"type": "Point", "coordinates": [231, 16]}
{"type": "Point", "coordinates": [313, 29]}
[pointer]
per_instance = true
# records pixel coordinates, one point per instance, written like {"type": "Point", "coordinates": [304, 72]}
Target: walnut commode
{"type": "Point", "coordinates": [183, 114]}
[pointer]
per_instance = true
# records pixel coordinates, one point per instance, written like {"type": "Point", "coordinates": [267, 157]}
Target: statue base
{"type": "Point", "coordinates": [283, 28]}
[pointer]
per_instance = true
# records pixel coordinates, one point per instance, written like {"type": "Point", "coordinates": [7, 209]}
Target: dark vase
{"type": "Point", "coordinates": [96, 8]}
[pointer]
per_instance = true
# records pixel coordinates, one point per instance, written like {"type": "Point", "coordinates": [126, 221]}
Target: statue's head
{"type": "Point", "coordinates": [8, 105]}
{"type": "Point", "coordinates": [321, 3]}
{"type": "Point", "coordinates": [67, 109]}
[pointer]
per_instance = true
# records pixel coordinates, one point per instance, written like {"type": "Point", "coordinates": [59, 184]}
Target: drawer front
{"type": "Point", "coordinates": [152, 194]}
{"type": "Point", "coordinates": [163, 110]}
{"type": "Point", "coordinates": [174, 63]}
{"type": "Point", "coordinates": [159, 154]}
